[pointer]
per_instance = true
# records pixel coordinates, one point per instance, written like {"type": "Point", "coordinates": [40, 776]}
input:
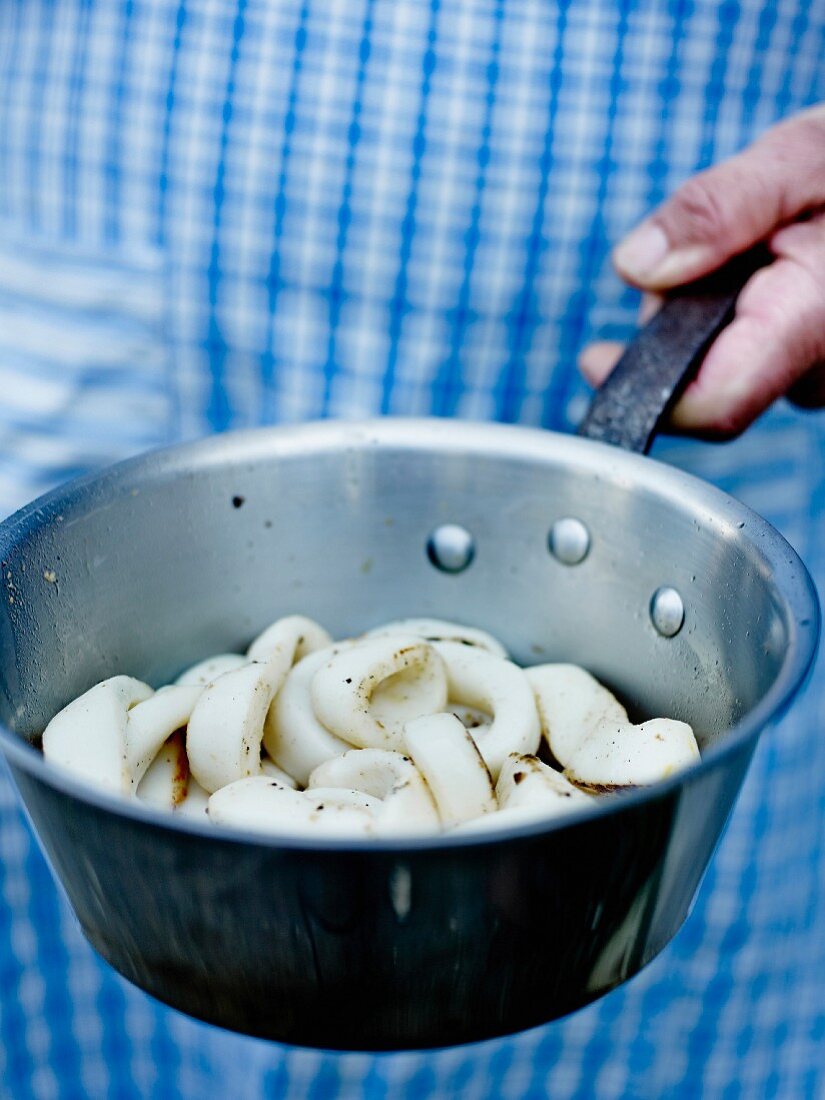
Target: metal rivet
{"type": "Point", "coordinates": [451, 548]}
{"type": "Point", "coordinates": [667, 611]}
{"type": "Point", "coordinates": [569, 541]}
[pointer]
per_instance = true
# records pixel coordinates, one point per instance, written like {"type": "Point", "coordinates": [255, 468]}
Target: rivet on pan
{"type": "Point", "coordinates": [451, 548]}
{"type": "Point", "coordinates": [667, 611]}
{"type": "Point", "coordinates": [569, 541]}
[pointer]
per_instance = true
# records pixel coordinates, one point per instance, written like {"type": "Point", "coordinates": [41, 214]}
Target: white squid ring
{"type": "Point", "coordinates": [500, 688]}
{"type": "Point", "coordinates": [619, 755]}
{"type": "Point", "coordinates": [293, 737]}
{"type": "Point", "coordinates": [406, 804]}
{"type": "Point", "coordinates": [476, 722]}
{"type": "Point", "coordinates": [438, 630]}
{"type": "Point", "coordinates": [152, 722]}
{"type": "Point", "coordinates": [166, 782]}
{"type": "Point", "coordinates": [528, 790]}
{"type": "Point", "coordinates": [453, 768]}
{"type": "Point", "coordinates": [270, 769]}
{"type": "Point", "coordinates": [196, 800]}
{"type": "Point", "coordinates": [571, 703]}
{"type": "Point", "coordinates": [590, 735]}
{"type": "Point", "coordinates": [88, 737]}
{"type": "Point", "coordinates": [263, 805]}
{"type": "Point", "coordinates": [226, 728]}
{"type": "Point", "coordinates": [526, 782]}
{"type": "Point", "coordinates": [294, 633]}
{"type": "Point", "coordinates": [367, 692]}
{"type": "Point", "coordinates": [204, 672]}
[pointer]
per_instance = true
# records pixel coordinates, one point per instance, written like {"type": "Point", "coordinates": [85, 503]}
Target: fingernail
{"type": "Point", "coordinates": [641, 252]}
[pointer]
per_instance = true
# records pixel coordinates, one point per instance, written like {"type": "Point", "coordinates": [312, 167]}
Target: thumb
{"type": "Point", "coordinates": [722, 211]}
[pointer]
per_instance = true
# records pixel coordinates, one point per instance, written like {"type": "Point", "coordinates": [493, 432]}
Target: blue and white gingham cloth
{"type": "Point", "coordinates": [220, 213]}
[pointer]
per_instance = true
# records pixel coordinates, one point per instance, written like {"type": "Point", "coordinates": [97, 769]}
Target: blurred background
{"type": "Point", "coordinates": [222, 214]}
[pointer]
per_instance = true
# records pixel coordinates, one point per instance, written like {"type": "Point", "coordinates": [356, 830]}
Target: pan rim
{"type": "Point", "coordinates": [428, 434]}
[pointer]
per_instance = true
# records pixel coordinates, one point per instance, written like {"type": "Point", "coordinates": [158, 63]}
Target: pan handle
{"type": "Point", "coordinates": [662, 358]}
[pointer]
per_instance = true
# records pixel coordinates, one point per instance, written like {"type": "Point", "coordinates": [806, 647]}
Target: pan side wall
{"type": "Point", "coordinates": [376, 950]}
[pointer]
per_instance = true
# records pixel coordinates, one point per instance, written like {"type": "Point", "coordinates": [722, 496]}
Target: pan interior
{"type": "Point", "coordinates": [185, 553]}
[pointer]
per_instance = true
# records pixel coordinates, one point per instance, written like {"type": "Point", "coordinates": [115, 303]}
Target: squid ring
{"type": "Point", "coordinates": [406, 804]}
{"type": "Point", "coordinates": [295, 634]}
{"type": "Point", "coordinates": [528, 790]}
{"type": "Point", "coordinates": [590, 735]}
{"type": "Point", "coordinates": [204, 672]}
{"type": "Point", "coordinates": [449, 760]}
{"type": "Point", "coordinates": [166, 783]}
{"type": "Point", "coordinates": [618, 755]}
{"type": "Point", "coordinates": [526, 782]}
{"type": "Point", "coordinates": [263, 805]}
{"type": "Point", "coordinates": [293, 737]}
{"type": "Point", "coordinates": [226, 728]}
{"type": "Point", "coordinates": [270, 768]}
{"type": "Point", "coordinates": [437, 630]}
{"type": "Point", "coordinates": [367, 692]}
{"type": "Point", "coordinates": [88, 737]}
{"type": "Point", "coordinates": [478, 679]}
{"type": "Point", "coordinates": [195, 802]}
{"type": "Point", "coordinates": [476, 721]}
{"type": "Point", "coordinates": [225, 737]}
{"type": "Point", "coordinates": [571, 703]}
{"type": "Point", "coordinates": [150, 723]}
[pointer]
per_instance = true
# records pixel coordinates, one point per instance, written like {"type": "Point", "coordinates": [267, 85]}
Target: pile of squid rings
{"type": "Point", "coordinates": [416, 727]}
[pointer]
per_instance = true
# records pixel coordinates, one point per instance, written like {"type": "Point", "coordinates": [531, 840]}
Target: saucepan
{"type": "Point", "coordinates": [681, 599]}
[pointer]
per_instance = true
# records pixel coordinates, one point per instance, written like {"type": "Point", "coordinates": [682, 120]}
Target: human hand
{"type": "Point", "coordinates": [774, 191]}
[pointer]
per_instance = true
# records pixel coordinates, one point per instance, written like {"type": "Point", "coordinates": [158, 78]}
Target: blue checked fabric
{"type": "Point", "coordinates": [221, 213]}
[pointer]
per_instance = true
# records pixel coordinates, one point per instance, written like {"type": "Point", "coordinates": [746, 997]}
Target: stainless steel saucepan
{"type": "Point", "coordinates": [677, 596]}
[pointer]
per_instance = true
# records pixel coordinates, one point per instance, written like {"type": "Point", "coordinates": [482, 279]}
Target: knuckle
{"type": "Point", "coordinates": [699, 210]}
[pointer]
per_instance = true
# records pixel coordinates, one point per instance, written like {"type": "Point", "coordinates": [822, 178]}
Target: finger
{"type": "Point", "coordinates": [723, 211]}
{"type": "Point", "coordinates": [651, 304]}
{"type": "Point", "coordinates": [598, 360]}
{"type": "Point", "coordinates": [776, 337]}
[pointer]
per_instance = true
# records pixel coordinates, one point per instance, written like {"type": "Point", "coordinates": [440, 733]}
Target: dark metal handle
{"type": "Point", "coordinates": [662, 358]}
